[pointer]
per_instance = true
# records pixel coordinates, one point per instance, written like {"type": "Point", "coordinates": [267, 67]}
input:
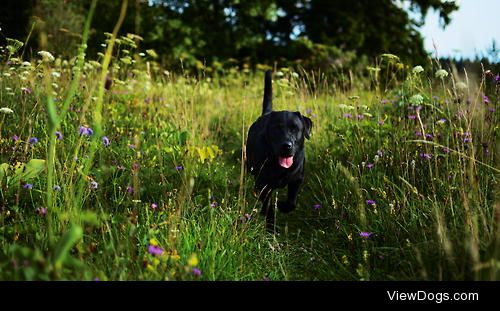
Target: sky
{"type": "Point", "coordinates": [471, 31]}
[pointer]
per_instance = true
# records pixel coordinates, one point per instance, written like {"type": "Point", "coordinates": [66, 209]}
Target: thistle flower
{"type": "Point", "coordinates": [130, 189]}
{"type": "Point", "coordinates": [179, 167]}
{"type": "Point", "coordinates": [196, 272]}
{"type": "Point", "coordinates": [155, 250]}
{"type": "Point", "coordinates": [371, 202]}
{"type": "Point", "coordinates": [486, 99]}
{"type": "Point", "coordinates": [15, 138]}
{"type": "Point", "coordinates": [370, 166]}
{"type": "Point", "coordinates": [365, 234]}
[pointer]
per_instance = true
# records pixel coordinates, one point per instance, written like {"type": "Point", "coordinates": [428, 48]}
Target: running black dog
{"type": "Point", "coordinates": [275, 153]}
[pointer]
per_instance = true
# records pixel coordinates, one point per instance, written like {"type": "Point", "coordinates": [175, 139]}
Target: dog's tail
{"type": "Point", "coordinates": [267, 105]}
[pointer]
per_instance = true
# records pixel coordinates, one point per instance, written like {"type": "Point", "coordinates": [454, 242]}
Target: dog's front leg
{"type": "Point", "coordinates": [291, 202]}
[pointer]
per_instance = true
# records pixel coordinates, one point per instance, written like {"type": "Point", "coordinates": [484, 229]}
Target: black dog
{"type": "Point", "coordinates": [275, 153]}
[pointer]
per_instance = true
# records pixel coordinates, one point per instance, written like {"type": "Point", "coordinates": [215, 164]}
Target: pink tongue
{"type": "Point", "coordinates": [286, 162]}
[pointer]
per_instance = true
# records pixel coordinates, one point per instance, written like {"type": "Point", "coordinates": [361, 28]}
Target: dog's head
{"type": "Point", "coordinates": [285, 133]}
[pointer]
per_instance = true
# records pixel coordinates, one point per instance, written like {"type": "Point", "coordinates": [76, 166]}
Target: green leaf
{"type": "Point", "coordinates": [27, 171]}
{"type": "Point", "coordinates": [68, 240]}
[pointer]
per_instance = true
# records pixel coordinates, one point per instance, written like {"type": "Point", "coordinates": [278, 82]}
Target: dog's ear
{"type": "Point", "coordinates": [307, 125]}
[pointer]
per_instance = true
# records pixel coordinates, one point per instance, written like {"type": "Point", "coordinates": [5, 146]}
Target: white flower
{"type": "Point", "coordinates": [441, 73]}
{"type": "Point", "coordinates": [417, 69]}
{"type": "Point", "coordinates": [26, 64]}
{"type": "Point", "coordinates": [47, 56]}
{"type": "Point", "coordinates": [56, 74]}
{"type": "Point", "coordinates": [6, 110]}
{"type": "Point", "coordinates": [417, 99]}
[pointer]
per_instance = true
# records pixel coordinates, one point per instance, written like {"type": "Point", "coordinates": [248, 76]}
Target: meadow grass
{"type": "Point", "coordinates": [148, 178]}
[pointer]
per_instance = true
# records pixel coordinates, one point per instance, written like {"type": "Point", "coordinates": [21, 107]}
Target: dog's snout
{"type": "Point", "coordinates": [287, 146]}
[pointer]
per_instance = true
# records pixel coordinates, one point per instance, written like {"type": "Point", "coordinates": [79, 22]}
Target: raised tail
{"type": "Point", "coordinates": [267, 105]}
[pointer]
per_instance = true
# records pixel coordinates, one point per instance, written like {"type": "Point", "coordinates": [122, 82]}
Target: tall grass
{"type": "Point", "coordinates": [400, 175]}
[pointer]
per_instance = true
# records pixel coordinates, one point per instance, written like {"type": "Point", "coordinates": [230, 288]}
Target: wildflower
{"type": "Point", "coordinates": [28, 186]}
{"type": "Point", "coordinates": [441, 73]}
{"type": "Point", "coordinates": [429, 136]}
{"type": "Point", "coordinates": [86, 131]}
{"type": "Point", "coordinates": [365, 234]}
{"type": "Point", "coordinates": [131, 146]}
{"type": "Point", "coordinates": [6, 110]}
{"type": "Point", "coordinates": [381, 122]}
{"type": "Point", "coordinates": [308, 111]}
{"type": "Point", "coordinates": [417, 69]}
{"type": "Point", "coordinates": [418, 134]}
{"type": "Point", "coordinates": [213, 204]}
{"type": "Point", "coordinates": [154, 206]}
{"type": "Point", "coordinates": [135, 166]}
{"type": "Point", "coordinates": [426, 156]}
{"type": "Point", "coordinates": [491, 109]}
{"type": "Point", "coordinates": [179, 167]}
{"type": "Point", "coordinates": [467, 140]}
{"type": "Point", "coordinates": [347, 115]}
{"type": "Point", "coordinates": [33, 141]}
{"type": "Point", "coordinates": [370, 202]}
{"type": "Point", "coordinates": [441, 121]}
{"type": "Point", "coordinates": [247, 216]}
{"type": "Point", "coordinates": [120, 167]}
{"type": "Point", "coordinates": [370, 166]}
{"type": "Point", "coordinates": [380, 153]}
{"type": "Point", "coordinates": [105, 141]}
{"type": "Point", "coordinates": [42, 211]}
{"type": "Point", "coordinates": [193, 260]}
{"type": "Point", "coordinates": [155, 250]}
{"type": "Point", "coordinates": [446, 150]}
{"type": "Point", "coordinates": [416, 99]}
{"type": "Point", "coordinates": [486, 99]}
{"type": "Point", "coordinates": [360, 117]}
{"type": "Point", "coordinates": [196, 272]}
{"type": "Point", "coordinates": [15, 138]}
{"type": "Point", "coordinates": [56, 188]}
{"type": "Point", "coordinates": [497, 78]}
{"type": "Point", "coordinates": [412, 117]}
{"type": "Point", "coordinates": [94, 185]}
{"type": "Point", "coordinates": [59, 135]}
{"type": "Point", "coordinates": [317, 206]}
{"type": "Point", "coordinates": [47, 56]}
{"type": "Point", "coordinates": [130, 189]}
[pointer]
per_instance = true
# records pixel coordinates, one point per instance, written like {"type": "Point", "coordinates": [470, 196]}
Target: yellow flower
{"type": "Point", "coordinates": [193, 260]}
{"type": "Point", "coordinates": [153, 242]}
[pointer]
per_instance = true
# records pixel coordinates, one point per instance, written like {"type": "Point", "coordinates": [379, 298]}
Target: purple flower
{"type": "Point", "coordinates": [86, 131]}
{"type": "Point", "coordinates": [371, 202]}
{"type": "Point", "coordinates": [486, 99]}
{"type": "Point", "coordinates": [317, 206]}
{"type": "Point", "coordinates": [105, 141]}
{"type": "Point", "coordinates": [56, 188]}
{"type": "Point", "coordinates": [154, 206]}
{"type": "Point", "coordinates": [491, 109]}
{"type": "Point", "coordinates": [381, 122]}
{"type": "Point", "coordinates": [131, 146]}
{"type": "Point", "coordinates": [196, 272]}
{"type": "Point", "coordinates": [418, 134]}
{"type": "Point", "coordinates": [384, 101]}
{"type": "Point", "coordinates": [93, 185]}
{"type": "Point", "coordinates": [308, 111]}
{"type": "Point", "coordinates": [497, 78]}
{"type": "Point", "coordinates": [59, 135]}
{"type": "Point", "coordinates": [179, 167]}
{"type": "Point", "coordinates": [247, 216]}
{"type": "Point", "coordinates": [28, 186]}
{"type": "Point", "coordinates": [42, 211]}
{"type": "Point", "coordinates": [33, 141]}
{"type": "Point", "coordinates": [412, 117]}
{"type": "Point", "coordinates": [97, 279]}
{"type": "Point", "coordinates": [130, 189]}
{"type": "Point", "coordinates": [135, 166]}
{"type": "Point", "coordinates": [213, 204]}
{"type": "Point", "coordinates": [467, 140]}
{"type": "Point", "coordinates": [426, 156]}
{"type": "Point", "coordinates": [155, 250]}
{"type": "Point", "coordinates": [365, 235]}
{"type": "Point", "coordinates": [15, 138]}
{"type": "Point", "coordinates": [347, 115]}
{"type": "Point", "coordinates": [360, 117]}
{"type": "Point", "coordinates": [429, 136]}
{"type": "Point", "coordinates": [446, 150]}
{"type": "Point", "coordinates": [370, 166]}
{"type": "Point", "coordinates": [442, 120]}
{"type": "Point", "coordinates": [26, 90]}
{"type": "Point", "coordinates": [380, 153]}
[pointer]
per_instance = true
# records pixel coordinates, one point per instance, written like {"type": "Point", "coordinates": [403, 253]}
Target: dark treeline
{"type": "Point", "coordinates": [315, 33]}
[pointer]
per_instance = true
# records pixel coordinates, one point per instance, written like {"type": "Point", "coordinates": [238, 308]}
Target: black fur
{"type": "Point", "coordinates": [275, 135]}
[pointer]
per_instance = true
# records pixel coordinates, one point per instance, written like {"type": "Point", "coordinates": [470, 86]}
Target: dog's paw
{"type": "Point", "coordinates": [286, 207]}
